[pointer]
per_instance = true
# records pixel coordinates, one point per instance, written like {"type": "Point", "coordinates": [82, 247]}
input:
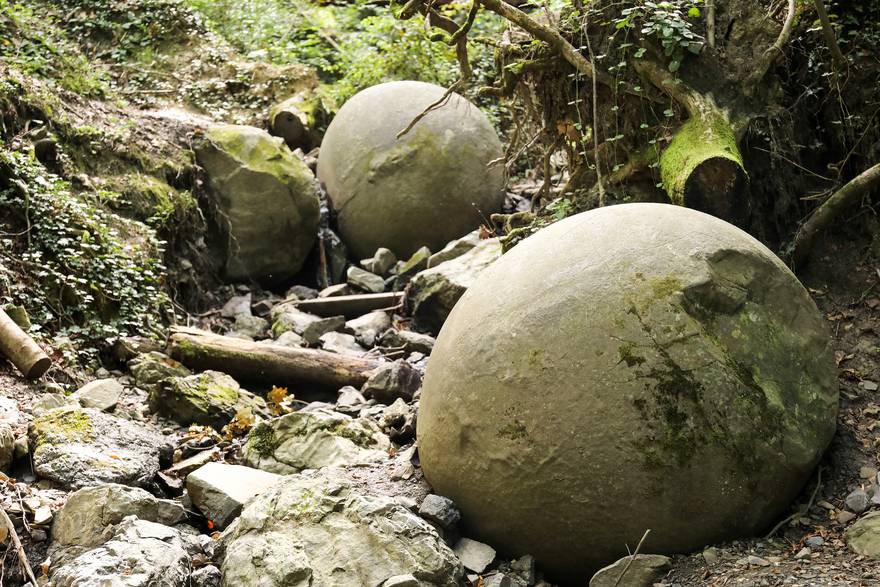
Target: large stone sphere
{"type": "Point", "coordinates": [425, 189]}
{"type": "Point", "coordinates": [638, 366]}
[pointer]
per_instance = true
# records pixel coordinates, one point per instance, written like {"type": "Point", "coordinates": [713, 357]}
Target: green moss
{"type": "Point", "coordinates": [515, 430]}
{"type": "Point", "coordinates": [258, 152]}
{"type": "Point", "coordinates": [69, 425]}
{"type": "Point", "coordinates": [626, 355]}
{"type": "Point", "coordinates": [153, 200]}
{"type": "Point", "coordinates": [262, 440]}
{"type": "Point", "coordinates": [697, 141]}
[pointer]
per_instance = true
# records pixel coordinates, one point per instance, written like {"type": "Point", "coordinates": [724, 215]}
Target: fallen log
{"type": "Point", "coordinates": [21, 350]}
{"type": "Point", "coordinates": [350, 306]}
{"type": "Point", "coordinates": [272, 364]}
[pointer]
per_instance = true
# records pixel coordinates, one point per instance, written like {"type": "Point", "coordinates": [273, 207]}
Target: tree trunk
{"type": "Point", "coordinates": [21, 350]}
{"type": "Point", "coordinates": [272, 364]}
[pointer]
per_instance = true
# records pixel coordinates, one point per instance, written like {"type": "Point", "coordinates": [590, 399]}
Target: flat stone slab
{"type": "Point", "coordinates": [220, 490]}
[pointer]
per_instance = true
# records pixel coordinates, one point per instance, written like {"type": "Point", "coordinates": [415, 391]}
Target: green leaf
{"type": "Point", "coordinates": [694, 12]}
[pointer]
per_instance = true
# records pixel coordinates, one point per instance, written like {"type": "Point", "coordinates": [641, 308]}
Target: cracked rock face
{"type": "Point", "coordinates": [647, 366]}
{"type": "Point", "coordinates": [390, 192]}
{"type": "Point", "coordinates": [323, 531]}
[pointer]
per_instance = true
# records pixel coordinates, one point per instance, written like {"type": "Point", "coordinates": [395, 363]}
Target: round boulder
{"type": "Point", "coordinates": [267, 198]}
{"type": "Point", "coordinates": [430, 186]}
{"type": "Point", "coordinates": [647, 366]}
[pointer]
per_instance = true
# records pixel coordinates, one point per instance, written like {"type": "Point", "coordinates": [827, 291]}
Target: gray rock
{"type": "Point", "coordinates": [857, 501]}
{"type": "Point", "coordinates": [9, 412]}
{"type": "Point", "coordinates": [364, 280]}
{"type": "Point", "coordinates": [89, 511]}
{"type": "Point", "coordinates": [101, 394]}
{"type": "Point", "coordinates": [645, 570]}
{"type": "Point", "coordinates": [314, 439]}
{"type": "Point", "coordinates": [51, 401]}
{"type": "Point", "coordinates": [315, 530]}
{"type": "Point", "coordinates": [210, 398]}
{"type": "Point", "coordinates": [434, 292]}
{"type": "Point", "coordinates": [264, 307]}
{"type": "Point", "coordinates": [343, 344]}
{"type": "Point", "coordinates": [208, 576]}
{"type": "Point", "coordinates": [454, 249]}
{"type": "Point", "coordinates": [302, 292]}
{"type": "Point", "coordinates": [381, 262]}
{"type": "Point", "coordinates": [76, 447]}
{"type": "Point", "coordinates": [524, 568]}
{"type": "Point", "coordinates": [220, 490]}
{"type": "Point", "coordinates": [417, 262]}
{"type": "Point", "coordinates": [251, 326]}
{"type": "Point", "coordinates": [475, 556]}
{"type": "Point", "coordinates": [289, 338]}
{"type": "Point", "coordinates": [497, 580]}
{"type": "Point", "coordinates": [137, 554]}
{"type": "Point", "coordinates": [411, 342]}
{"type": "Point", "coordinates": [439, 509]}
{"type": "Point", "coordinates": [154, 367]}
{"type": "Point", "coordinates": [367, 327]}
{"type": "Point", "coordinates": [268, 197]}
{"type": "Point", "coordinates": [391, 381]}
{"type": "Point", "coordinates": [7, 446]}
{"type": "Point", "coordinates": [309, 326]}
{"type": "Point", "coordinates": [350, 401]}
{"type": "Point", "coordinates": [339, 289]}
{"type": "Point", "coordinates": [237, 306]}
{"type": "Point", "coordinates": [863, 537]}
{"type": "Point", "coordinates": [398, 421]}
{"type": "Point", "coordinates": [401, 581]}
{"type": "Point", "coordinates": [814, 541]}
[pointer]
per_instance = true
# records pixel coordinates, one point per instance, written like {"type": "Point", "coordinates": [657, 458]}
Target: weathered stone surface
{"type": "Point", "coordinates": [644, 358]}
{"type": "Point", "coordinates": [138, 554]}
{"type": "Point", "coordinates": [51, 401]}
{"type": "Point", "coordinates": [237, 306]}
{"type": "Point", "coordinates": [367, 327]}
{"type": "Point", "coordinates": [381, 262]}
{"type": "Point", "coordinates": [315, 439]}
{"type": "Point", "coordinates": [88, 511]}
{"type": "Point", "coordinates": [101, 394]}
{"type": "Point", "coordinates": [364, 280]}
{"type": "Point", "coordinates": [7, 446]}
{"type": "Point", "coordinates": [406, 270]}
{"type": "Point", "coordinates": [76, 447]}
{"type": "Point", "coordinates": [309, 326]}
{"type": "Point", "coordinates": [209, 576]}
{"type": "Point", "coordinates": [317, 531]}
{"type": "Point", "coordinates": [210, 398]}
{"type": "Point", "coordinates": [863, 537]}
{"type": "Point", "coordinates": [390, 192]}
{"type": "Point", "coordinates": [391, 381]}
{"type": "Point", "coordinates": [350, 401]}
{"type": "Point", "coordinates": [474, 555]}
{"type": "Point", "coordinates": [434, 292]}
{"type": "Point", "coordinates": [289, 338]}
{"type": "Point", "coordinates": [454, 249]}
{"type": "Point", "coordinates": [409, 341]}
{"type": "Point", "coordinates": [344, 344]}
{"type": "Point", "coordinates": [643, 571]}
{"type": "Point", "coordinates": [154, 367]}
{"type": "Point", "coordinates": [268, 197]}
{"type": "Point", "coordinates": [441, 510]}
{"type": "Point", "coordinates": [220, 490]}
{"type": "Point", "coordinates": [288, 121]}
{"type": "Point", "coordinates": [9, 412]}
{"type": "Point", "coordinates": [251, 326]}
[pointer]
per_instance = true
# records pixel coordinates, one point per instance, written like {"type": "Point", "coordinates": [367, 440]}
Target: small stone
{"type": "Point", "coordinates": [252, 326]}
{"type": "Point", "coordinates": [524, 567]}
{"type": "Point", "coordinates": [236, 306]}
{"type": "Point", "coordinates": [868, 385]}
{"type": "Point", "coordinates": [302, 292]}
{"type": "Point", "coordinates": [391, 381]}
{"type": "Point", "coordinates": [455, 249]}
{"type": "Point", "coordinates": [863, 537]}
{"type": "Point", "coordinates": [497, 580]}
{"type": "Point", "coordinates": [441, 510]}
{"type": "Point", "coordinates": [220, 490]}
{"type": "Point", "coordinates": [413, 265]}
{"type": "Point", "coordinates": [50, 401]}
{"type": "Point", "coordinates": [208, 576]}
{"type": "Point", "coordinates": [350, 401]}
{"type": "Point", "coordinates": [845, 517]}
{"type": "Point", "coordinates": [408, 340]}
{"type": "Point", "coordinates": [803, 553]}
{"type": "Point", "coordinates": [101, 394]}
{"type": "Point", "coordinates": [381, 262]}
{"type": "Point", "coordinates": [643, 570]}
{"type": "Point", "coordinates": [857, 501]}
{"type": "Point", "coordinates": [814, 541]}
{"type": "Point", "coordinates": [710, 555]}
{"type": "Point", "coordinates": [289, 338]}
{"type": "Point", "coordinates": [365, 280]}
{"type": "Point", "coordinates": [313, 332]}
{"type": "Point", "coordinates": [343, 344]}
{"type": "Point", "coordinates": [264, 307]}
{"type": "Point", "coordinates": [401, 581]}
{"type": "Point", "coordinates": [366, 328]}
{"type": "Point", "coordinates": [340, 289]}
{"type": "Point", "coordinates": [868, 473]}
{"type": "Point", "coordinates": [474, 555]}
{"type": "Point", "coordinates": [757, 561]}
{"type": "Point", "coordinates": [39, 535]}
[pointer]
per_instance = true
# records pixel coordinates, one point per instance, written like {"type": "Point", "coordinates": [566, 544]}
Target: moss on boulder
{"type": "Point", "coordinates": [210, 398]}
{"type": "Point", "coordinates": [389, 191]}
{"type": "Point", "coordinates": [647, 366]}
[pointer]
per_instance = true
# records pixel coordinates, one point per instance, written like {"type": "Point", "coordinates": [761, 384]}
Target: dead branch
{"type": "Point", "coordinates": [710, 23]}
{"type": "Point", "coordinates": [830, 38]}
{"type": "Point", "coordinates": [632, 557]}
{"type": "Point", "coordinates": [769, 57]}
{"type": "Point", "coordinates": [22, 557]}
{"type": "Point", "coordinates": [825, 214]}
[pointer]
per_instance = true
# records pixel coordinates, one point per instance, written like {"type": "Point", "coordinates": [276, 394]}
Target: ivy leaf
{"type": "Point", "coordinates": [694, 12]}
{"type": "Point", "coordinates": [674, 65]}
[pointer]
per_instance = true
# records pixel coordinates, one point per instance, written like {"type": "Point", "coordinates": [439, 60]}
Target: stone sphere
{"type": "Point", "coordinates": [426, 188]}
{"type": "Point", "coordinates": [642, 366]}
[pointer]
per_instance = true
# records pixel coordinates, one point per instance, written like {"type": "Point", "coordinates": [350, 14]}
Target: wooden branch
{"type": "Point", "coordinates": [769, 57]}
{"type": "Point", "coordinates": [22, 557]}
{"type": "Point", "coordinates": [710, 23]}
{"type": "Point", "coordinates": [825, 214]}
{"type": "Point", "coordinates": [659, 76]}
{"type": "Point", "coordinates": [350, 306]}
{"type": "Point", "coordinates": [830, 38]}
{"type": "Point", "coordinates": [272, 364]}
{"type": "Point", "coordinates": [21, 350]}
{"type": "Point", "coordinates": [632, 557]}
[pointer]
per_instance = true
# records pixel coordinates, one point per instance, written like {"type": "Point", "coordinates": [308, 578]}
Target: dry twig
{"type": "Point", "coordinates": [22, 557]}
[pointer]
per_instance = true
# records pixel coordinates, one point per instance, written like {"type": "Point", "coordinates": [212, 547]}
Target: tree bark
{"type": "Point", "coordinates": [21, 350]}
{"type": "Point", "coordinates": [272, 364]}
{"type": "Point", "coordinates": [839, 201]}
{"type": "Point", "coordinates": [350, 306]}
{"type": "Point", "coordinates": [830, 38]}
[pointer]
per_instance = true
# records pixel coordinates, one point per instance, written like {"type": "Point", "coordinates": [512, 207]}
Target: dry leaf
{"type": "Point", "coordinates": [241, 424]}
